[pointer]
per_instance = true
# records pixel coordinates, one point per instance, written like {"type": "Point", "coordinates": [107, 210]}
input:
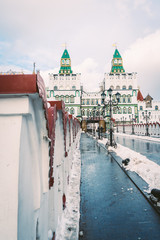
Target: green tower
{"type": "Point", "coordinates": [65, 63]}
{"type": "Point", "coordinates": [117, 63]}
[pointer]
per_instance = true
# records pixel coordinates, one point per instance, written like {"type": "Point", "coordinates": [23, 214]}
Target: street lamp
{"type": "Point", "coordinates": [110, 103]}
{"type": "Point", "coordinates": [117, 126]}
{"type": "Point", "coordinates": [93, 112]}
{"type": "Point", "coordinates": [123, 119]}
{"type": "Point", "coordinates": [132, 119]}
{"type": "Point", "coordinates": [146, 117]}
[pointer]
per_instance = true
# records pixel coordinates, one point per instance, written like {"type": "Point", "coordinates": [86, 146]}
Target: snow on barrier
{"type": "Point", "coordinates": [141, 129]}
{"type": "Point", "coordinates": [37, 140]}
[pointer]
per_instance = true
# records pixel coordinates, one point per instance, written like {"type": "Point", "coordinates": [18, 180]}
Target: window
{"type": "Point", "coordinates": [114, 110]}
{"type": "Point", "coordinates": [119, 110]}
{"type": "Point", "coordinates": [129, 98]}
{"type": "Point", "coordinates": [87, 112]}
{"type": "Point", "coordinates": [55, 88]}
{"type": "Point", "coordinates": [72, 99]}
{"type": "Point", "coordinates": [124, 87]}
{"type": "Point", "coordinates": [129, 110]}
{"type": "Point", "coordinates": [67, 109]}
{"type": "Point", "coordinates": [57, 98]}
{"type": "Point", "coordinates": [124, 98]}
{"type": "Point", "coordinates": [118, 87]}
{"type": "Point", "coordinates": [67, 99]}
{"type": "Point", "coordinates": [83, 101]}
{"type": "Point", "coordinates": [92, 101]}
{"type": "Point", "coordinates": [73, 87]}
{"type": "Point", "coordinates": [83, 112]}
{"type": "Point", "coordinates": [141, 108]}
{"type": "Point", "coordinates": [124, 110]}
{"type": "Point", "coordinates": [88, 101]}
{"type": "Point", "coordinates": [62, 97]}
{"type": "Point", "coordinates": [156, 107]}
{"type": "Point", "coordinates": [130, 87]}
{"type": "Point", "coordinates": [72, 110]}
{"type": "Point", "coordinates": [112, 87]}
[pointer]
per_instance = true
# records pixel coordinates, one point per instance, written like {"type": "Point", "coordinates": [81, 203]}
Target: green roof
{"type": "Point", "coordinates": [65, 67]}
{"type": "Point", "coordinates": [117, 63]}
{"type": "Point", "coordinates": [65, 54]}
{"type": "Point", "coordinates": [116, 54]}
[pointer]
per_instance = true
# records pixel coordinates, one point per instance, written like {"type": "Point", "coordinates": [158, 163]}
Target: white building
{"type": "Point", "coordinates": [65, 86]}
{"type": "Point", "coordinates": [124, 83]}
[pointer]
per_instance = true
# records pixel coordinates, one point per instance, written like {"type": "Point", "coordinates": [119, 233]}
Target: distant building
{"type": "Point", "coordinates": [124, 83]}
{"type": "Point", "coordinates": [86, 105]}
{"type": "Point", "coordinates": [149, 110]}
{"type": "Point", "coordinates": [65, 85]}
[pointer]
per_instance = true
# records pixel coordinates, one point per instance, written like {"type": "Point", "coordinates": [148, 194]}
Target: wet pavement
{"type": "Point", "coordinates": [147, 148]}
{"type": "Point", "coordinates": [111, 206]}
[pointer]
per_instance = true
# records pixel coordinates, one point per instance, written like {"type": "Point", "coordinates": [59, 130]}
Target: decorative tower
{"type": "Point", "coordinates": [65, 63]}
{"type": "Point", "coordinates": [117, 63]}
{"type": "Point", "coordinates": [124, 83]}
{"type": "Point", "coordinates": [65, 85]}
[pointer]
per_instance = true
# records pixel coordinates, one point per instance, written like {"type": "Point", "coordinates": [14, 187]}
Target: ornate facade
{"type": "Point", "coordinates": [65, 86]}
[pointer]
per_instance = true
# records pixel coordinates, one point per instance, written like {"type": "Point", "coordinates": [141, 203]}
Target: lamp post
{"type": "Point", "coordinates": [131, 118]}
{"type": "Point", "coordinates": [93, 112]}
{"type": "Point", "coordinates": [123, 119]}
{"type": "Point", "coordinates": [146, 117]}
{"type": "Point", "coordinates": [117, 126]}
{"type": "Point", "coordinates": [98, 107]}
{"type": "Point", "coordinates": [110, 103]}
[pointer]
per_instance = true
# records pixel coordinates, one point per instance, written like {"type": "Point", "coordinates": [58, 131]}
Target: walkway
{"type": "Point", "coordinates": [111, 206]}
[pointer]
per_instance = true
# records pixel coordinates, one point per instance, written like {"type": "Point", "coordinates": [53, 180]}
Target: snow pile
{"type": "Point", "coordinates": [68, 227]}
{"type": "Point", "coordinates": [140, 164]}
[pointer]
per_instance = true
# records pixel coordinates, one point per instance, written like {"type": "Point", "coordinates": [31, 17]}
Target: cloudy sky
{"type": "Point", "coordinates": [35, 30]}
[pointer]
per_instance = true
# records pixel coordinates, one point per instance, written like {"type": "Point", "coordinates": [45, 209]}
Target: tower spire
{"type": "Point", "coordinates": [117, 63]}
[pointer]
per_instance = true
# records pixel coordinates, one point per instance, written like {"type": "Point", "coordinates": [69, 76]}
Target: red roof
{"type": "Point", "coordinates": [21, 83]}
{"type": "Point", "coordinates": [139, 96]}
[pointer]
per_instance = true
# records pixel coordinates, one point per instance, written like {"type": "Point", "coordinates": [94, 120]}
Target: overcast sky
{"type": "Point", "coordinates": [34, 31]}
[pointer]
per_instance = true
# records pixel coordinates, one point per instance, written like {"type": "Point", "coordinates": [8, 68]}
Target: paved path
{"type": "Point", "coordinates": [111, 206]}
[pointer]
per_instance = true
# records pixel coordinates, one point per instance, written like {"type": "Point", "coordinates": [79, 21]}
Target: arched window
{"type": "Point", "coordinates": [55, 88]}
{"type": "Point", "coordinates": [129, 110]}
{"type": "Point", "coordinates": [124, 98]}
{"type": "Point", "coordinates": [114, 110]}
{"type": "Point", "coordinates": [112, 87]}
{"type": "Point", "coordinates": [72, 99]}
{"type": "Point", "coordinates": [88, 102]}
{"type": "Point", "coordinates": [156, 107]}
{"type": "Point", "coordinates": [124, 87]}
{"type": "Point", "coordinates": [130, 87]}
{"type": "Point", "coordinates": [83, 112]}
{"type": "Point", "coordinates": [57, 98]}
{"type": "Point", "coordinates": [141, 108]}
{"type": "Point", "coordinates": [124, 110]}
{"type": "Point", "coordinates": [73, 87]}
{"type": "Point", "coordinates": [118, 87]}
{"type": "Point", "coordinates": [119, 110]}
{"type": "Point", "coordinates": [72, 110]}
{"type": "Point", "coordinates": [92, 101]}
{"type": "Point", "coordinates": [67, 99]}
{"type": "Point", "coordinates": [129, 98]}
{"type": "Point", "coordinates": [62, 97]}
{"type": "Point", "coordinates": [67, 109]}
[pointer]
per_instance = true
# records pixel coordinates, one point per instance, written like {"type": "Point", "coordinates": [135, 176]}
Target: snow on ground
{"type": "Point", "coordinates": [68, 227]}
{"type": "Point", "coordinates": [140, 164]}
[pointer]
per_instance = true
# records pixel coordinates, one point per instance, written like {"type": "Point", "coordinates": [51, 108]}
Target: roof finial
{"type": "Point", "coordinates": [115, 45]}
{"type": "Point", "coordinates": [34, 68]}
{"type": "Point", "coordinates": [64, 45]}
